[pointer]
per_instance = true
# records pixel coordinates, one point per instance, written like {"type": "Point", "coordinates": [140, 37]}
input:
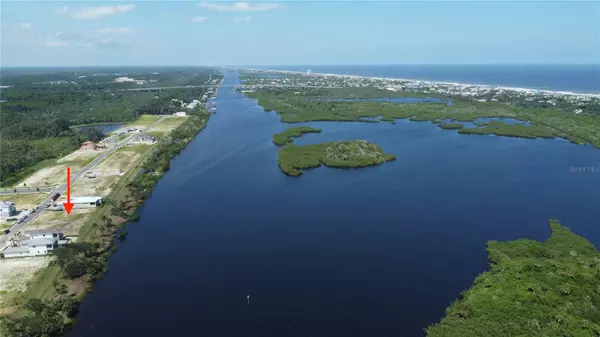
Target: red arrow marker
{"type": "Point", "coordinates": [68, 205]}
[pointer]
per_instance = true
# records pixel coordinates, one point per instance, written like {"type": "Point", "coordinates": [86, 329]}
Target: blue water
{"type": "Point", "coordinates": [576, 78]}
{"type": "Point", "coordinates": [378, 251]}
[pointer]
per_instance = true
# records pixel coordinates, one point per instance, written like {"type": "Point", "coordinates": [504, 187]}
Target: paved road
{"type": "Point", "coordinates": [62, 188]}
{"type": "Point", "coordinates": [26, 190]}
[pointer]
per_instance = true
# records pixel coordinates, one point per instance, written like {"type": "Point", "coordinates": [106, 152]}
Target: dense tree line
{"type": "Point", "coordinates": [37, 115]}
{"type": "Point", "coordinates": [533, 288]}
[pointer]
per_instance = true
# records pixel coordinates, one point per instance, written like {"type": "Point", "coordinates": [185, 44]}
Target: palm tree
{"type": "Point", "coordinates": [94, 228]}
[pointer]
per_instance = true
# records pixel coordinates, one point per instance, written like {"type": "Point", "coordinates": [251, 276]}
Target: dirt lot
{"type": "Point", "coordinates": [56, 174]}
{"type": "Point", "coordinates": [14, 274]}
{"type": "Point", "coordinates": [166, 126]}
{"type": "Point", "coordinates": [68, 224]}
{"type": "Point", "coordinates": [81, 155]}
{"type": "Point", "coordinates": [109, 169]}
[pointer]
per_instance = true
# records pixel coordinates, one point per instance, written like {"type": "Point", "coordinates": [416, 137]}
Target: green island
{"type": "Point", "coordinates": [450, 126]}
{"type": "Point", "coordinates": [301, 106]}
{"type": "Point", "coordinates": [293, 159]}
{"type": "Point", "coordinates": [533, 288]}
{"type": "Point", "coordinates": [285, 137]}
{"type": "Point", "coordinates": [512, 130]}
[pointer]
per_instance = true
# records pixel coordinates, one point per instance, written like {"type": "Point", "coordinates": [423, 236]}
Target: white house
{"type": "Point", "coordinates": [143, 139]}
{"type": "Point", "coordinates": [180, 114]}
{"type": "Point", "coordinates": [7, 209]}
{"type": "Point", "coordinates": [36, 243]}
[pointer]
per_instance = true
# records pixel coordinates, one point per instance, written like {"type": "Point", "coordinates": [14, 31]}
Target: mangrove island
{"type": "Point", "coordinates": [533, 288]}
{"type": "Point", "coordinates": [293, 159]}
{"type": "Point", "coordinates": [286, 136]}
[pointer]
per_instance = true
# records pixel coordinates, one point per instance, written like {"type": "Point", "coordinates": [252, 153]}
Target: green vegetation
{"type": "Point", "coordinates": [295, 107]}
{"type": "Point", "coordinates": [293, 159]}
{"type": "Point", "coordinates": [549, 288]}
{"type": "Point", "coordinates": [46, 308]}
{"type": "Point", "coordinates": [451, 126]}
{"type": "Point", "coordinates": [286, 136]}
{"type": "Point", "coordinates": [512, 130]}
{"type": "Point", "coordinates": [39, 110]}
{"type": "Point", "coordinates": [144, 121]}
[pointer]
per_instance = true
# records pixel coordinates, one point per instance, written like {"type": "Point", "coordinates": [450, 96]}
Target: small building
{"type": "Point", "coordinates": [7, 209]}
{"type": "Point", "coordinates": [85, 202]}
{"type": "Point", "coordinates": [36, 243]}
{"type": "Point", "coordinates": [180, 114]}
{"type": "Point", "coordinates": [143, 139]}
{"type": "Point", "coordinates": [88, 145]}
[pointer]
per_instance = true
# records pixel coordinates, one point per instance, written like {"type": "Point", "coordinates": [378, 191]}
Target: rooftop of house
{"type": "Point", "coordinates": [6, 203]}
{"type": "Point", "coordinates": [16, 250]}
{"type": "Point", "coordinates": [85, 200]}
{"type": "Point", "coordinates": [42, 231]}
{"type": "Point", "coordinates": [40, 242]}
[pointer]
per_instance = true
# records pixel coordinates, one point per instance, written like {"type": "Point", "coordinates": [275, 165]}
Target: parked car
{"type": "Point", "coordinates": [6, 231]}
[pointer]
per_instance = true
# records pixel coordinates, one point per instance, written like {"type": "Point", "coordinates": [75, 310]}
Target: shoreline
{"type": "Point", "coordinates": [487, 86]}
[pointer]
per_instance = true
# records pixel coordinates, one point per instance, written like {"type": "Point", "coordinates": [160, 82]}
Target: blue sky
{"type": "Point", "coordinates": [53, 33]}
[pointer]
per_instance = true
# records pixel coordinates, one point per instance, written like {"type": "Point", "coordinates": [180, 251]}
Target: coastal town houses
{"type": "Point", "coordinates": [35, 243]}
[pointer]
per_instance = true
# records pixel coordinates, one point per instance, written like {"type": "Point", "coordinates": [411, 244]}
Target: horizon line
{"type": "Point", "coordinates": [297, 65]}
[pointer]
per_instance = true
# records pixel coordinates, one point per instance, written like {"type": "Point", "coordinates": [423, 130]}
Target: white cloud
{"type": "Point", "coordinates": [57, 43]}
{"type": "Point", "coordinates": [199, 19]}
{"type": "Point", "coordinates": [87, 40]}
{"type": "Point", "coordinates": [24, 26]}
{"type": "Point", "coordinates": [62, 10]}
{"type": "Point", "coordinates": [114, 30]}
{"type": "Point", "coordinates": [238, 6]}
{"type": "Point", "coordinates": [241, 19]}
{"type": "Point", "coordinates": [92, 13]}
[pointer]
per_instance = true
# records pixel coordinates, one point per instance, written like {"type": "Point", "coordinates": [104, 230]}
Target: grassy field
{"type": "Point", "coordinates": [293, 159]}
{"type": "Point", "coordinates": [144, 120]}
{"type": "Point", "coordinates": [165, 126]}
{"type": "Point", "coordinates": [25, 200]}
{"type": "Point", "coordinates": [287, 135]}
{"type": "Point", "coordinates": [533, 288]}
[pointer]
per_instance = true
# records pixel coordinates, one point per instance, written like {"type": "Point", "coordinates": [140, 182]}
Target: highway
{"type": "Point", "coordinates": [62, 188]}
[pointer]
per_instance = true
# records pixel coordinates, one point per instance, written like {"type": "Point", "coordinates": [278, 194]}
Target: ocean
{"type": "Point", "coordinates": [570, 78]}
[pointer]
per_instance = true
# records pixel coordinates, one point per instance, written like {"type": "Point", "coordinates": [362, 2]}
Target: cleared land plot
{"type": "Point", "coordinates": [165, 126]}
{"type": "Point", "coordinates": [111, 170]}
{"type": "Point", "coordinates": [81, 155]}
{"type": "Point", "coordinates": [55, 172]}
{"type": "Point", "coordinates": [69, 224]}
{"type": "Point", "coordinates": [15, 274]}
{"type": "Point", "coordinates": [144, 120]}
{"type": "Point", "coordinates": [25, 200]}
